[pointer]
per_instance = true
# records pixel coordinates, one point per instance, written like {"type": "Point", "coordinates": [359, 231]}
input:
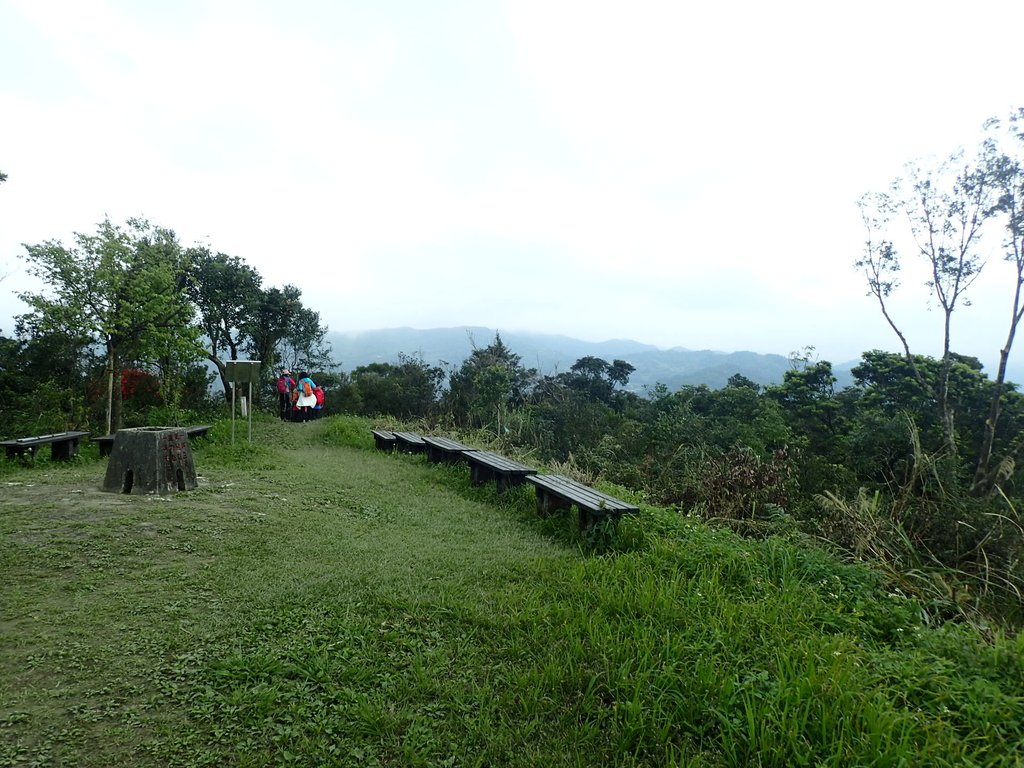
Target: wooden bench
{"type": "Point", "coordinates": [409, 442]}
{"type": "Point", "coordinates": [106, 442]}
{"type": "Point", "coordinates": [63, 445]}
{"type": "Point", "coordinates": [383, 439]}
{"type": "Point", "coordinates": [558, 492]}
{"type": "Point", "coordinates": [485, 466]}
{"type": "Point", "coordinates": [443, 449]}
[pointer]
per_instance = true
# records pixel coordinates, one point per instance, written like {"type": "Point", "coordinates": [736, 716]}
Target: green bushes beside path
{"type": "Point", "coordinates": [319, 604]}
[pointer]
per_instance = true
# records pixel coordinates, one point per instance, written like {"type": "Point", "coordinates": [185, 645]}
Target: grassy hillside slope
{"type": "Point", "coordinates": [316, 602]}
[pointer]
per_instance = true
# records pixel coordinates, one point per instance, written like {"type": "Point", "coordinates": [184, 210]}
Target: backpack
{"type": "Point", "coordinates": [282, 385]}
{"type": "Point", "coordinates": [307, 387]}
{"type": "Point", "coordinates": [319, 392]}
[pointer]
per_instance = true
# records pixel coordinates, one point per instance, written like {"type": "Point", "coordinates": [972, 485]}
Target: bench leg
{"type": "Point", "coordinates": [509, 481]}
{"type": "Point", "coordinates": [64, 450]}
{"type": "Point", "coordinates": [586, 519]}
{"type": "Point", "coordinates": [479, 474]}
{"type": "Point", "coordinates": [16, 451]}
{"type": "Point", "coordinates": [548, 503]}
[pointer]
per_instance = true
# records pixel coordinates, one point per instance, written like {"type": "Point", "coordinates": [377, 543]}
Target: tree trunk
{"type": "Point", "coordinates": [222, 370]}
{"type": "Point", "coordinates": [945, 411]}
{"type": "Point", "coordinates": [116, 400]}
{"type": "Point", "coordinates": [984, 480]}
{"type": "Point", "coordinates": [110, 387]}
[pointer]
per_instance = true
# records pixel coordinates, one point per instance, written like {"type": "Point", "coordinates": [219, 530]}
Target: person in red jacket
{"type": "Point", "coordinates": [285, 385]}
{"type": "Point", "coordinates": [318, 409]}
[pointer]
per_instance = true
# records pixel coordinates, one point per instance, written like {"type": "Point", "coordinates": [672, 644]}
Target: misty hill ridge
{"type": "Point", "coordinates": [552, 354]}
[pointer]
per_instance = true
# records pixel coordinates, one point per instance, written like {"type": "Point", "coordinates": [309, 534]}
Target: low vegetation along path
{"type": "Point", "coordinates": [316, 602]}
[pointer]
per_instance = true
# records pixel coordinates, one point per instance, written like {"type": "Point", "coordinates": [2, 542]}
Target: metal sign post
{"type": "Point", "coordinates": [242, 372]}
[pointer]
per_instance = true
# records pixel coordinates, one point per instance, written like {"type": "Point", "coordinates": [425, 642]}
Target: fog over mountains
{"type": "Point", "coordinates": [552, 354]}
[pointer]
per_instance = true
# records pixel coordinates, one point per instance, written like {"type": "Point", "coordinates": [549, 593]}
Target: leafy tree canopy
{"type": "Point", "coordinates": [489, 382]}
{"type": "Point", "coordinates": [122, 287]}
{"type": "Point", "coordinates": [407, 389]}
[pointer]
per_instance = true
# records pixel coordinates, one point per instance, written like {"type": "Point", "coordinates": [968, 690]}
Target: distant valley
{"type": "Point", "coordinates": [552, 354]}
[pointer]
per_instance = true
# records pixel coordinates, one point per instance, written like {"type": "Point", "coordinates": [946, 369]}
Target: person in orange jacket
{"type": "Point", "coordinates": [306, 399]}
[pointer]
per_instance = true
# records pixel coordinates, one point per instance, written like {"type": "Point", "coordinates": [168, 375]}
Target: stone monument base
{"type": "Point", "coordinates": [148, 460]}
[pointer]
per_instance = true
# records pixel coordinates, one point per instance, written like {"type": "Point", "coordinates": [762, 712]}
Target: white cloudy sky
{"type": "Point", "coordinates": [680, 173]}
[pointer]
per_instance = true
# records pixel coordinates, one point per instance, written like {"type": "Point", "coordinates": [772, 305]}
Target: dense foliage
{"type": "Point", "coordinates": [127, 302]}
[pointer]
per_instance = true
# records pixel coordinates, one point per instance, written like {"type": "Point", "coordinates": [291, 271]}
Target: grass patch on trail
{"type": "Point", "coordinates": [316, 602]}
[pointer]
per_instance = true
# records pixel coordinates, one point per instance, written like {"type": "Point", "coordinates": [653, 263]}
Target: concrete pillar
{"type": "Point", "coordinates": [149, 460]}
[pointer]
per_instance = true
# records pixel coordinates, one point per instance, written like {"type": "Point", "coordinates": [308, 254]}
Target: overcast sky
{"type": "Point", "coordinates": [680, 173]}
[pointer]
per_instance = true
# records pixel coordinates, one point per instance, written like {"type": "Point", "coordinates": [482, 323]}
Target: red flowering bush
{"type": "Point", "coordinates": [141, 387]}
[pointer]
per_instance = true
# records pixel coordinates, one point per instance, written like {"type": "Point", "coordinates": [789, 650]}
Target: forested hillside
{"type": "Point", "coordinates": [552, 354]}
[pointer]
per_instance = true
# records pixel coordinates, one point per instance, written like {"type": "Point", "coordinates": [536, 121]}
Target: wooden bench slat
{"type": "Point", "coordinates": [410, 442]}
{"type": "Point", "coordinates": [63, 445]}
{"type": "Point", "coordinates": [446, 443]}
{"type": "Point", "coordinates": [384, 439]}
{"type": "Point", "coordinates": [581, 494]}
{"type": "Point", "coordinates": [444, 449]}
{"type": "Point", "coordinates": [409, 437]}
{"type": "Point", "coordinates": [557, 491]}
{"type": "Point", "coordinates": [485, 465]}
{"type": "Point", "coordinates": [496, 461]}
{"type": "Point", "coordinates": [105, 444]}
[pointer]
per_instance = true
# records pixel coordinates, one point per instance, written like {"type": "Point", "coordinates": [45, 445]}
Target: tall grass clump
{"type": "Point", "coordinates": [961, 555]}
{"type": "Point", "coordinates": [706, 648]}
{"type": "Point", "coordinates": [348, 431]}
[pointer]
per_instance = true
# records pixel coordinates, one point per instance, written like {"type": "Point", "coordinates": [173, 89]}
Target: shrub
{"type": "Point", "coordinates": [350, 431]}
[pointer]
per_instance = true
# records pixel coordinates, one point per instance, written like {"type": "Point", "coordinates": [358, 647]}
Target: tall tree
{"type": "Point", "coordinates": [274, 312]}
{"type": "Point", "coordinates": [943, 210]}
{"type": "Point", "coordinates": [3, 178]}
{"type": "Point", "coordinates": [489, 382]}
{"type": "Point", "coordinates": [304, 346]}
{"type": "Point", "coordinates": [889, 392]}
{"type": "Point", "coordinates": [1004, 151]}
{"type": "Point", "coordinates": [123, 287]}
{"type": "Point", "coordinates": [808, 398]}
{"type": "Point", "coordinates": [227, 295]}
{"type": "Point", "coordinates": [596, 378]}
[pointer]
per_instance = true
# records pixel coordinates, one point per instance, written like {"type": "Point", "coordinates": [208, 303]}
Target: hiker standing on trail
{"type": "Point", "coordinates": [318, 409]}
{"type": "Point", "coordinates": [285, 385]}
{"type": "Point", "coordinates": [306, 399]}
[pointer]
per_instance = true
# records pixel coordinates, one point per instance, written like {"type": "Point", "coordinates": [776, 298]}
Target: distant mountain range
{"type": "Point", "coordinates": [552, 354]}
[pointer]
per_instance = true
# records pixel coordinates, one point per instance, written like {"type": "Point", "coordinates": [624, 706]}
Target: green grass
{"type": "Point", "coordinates": [315, 602]}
